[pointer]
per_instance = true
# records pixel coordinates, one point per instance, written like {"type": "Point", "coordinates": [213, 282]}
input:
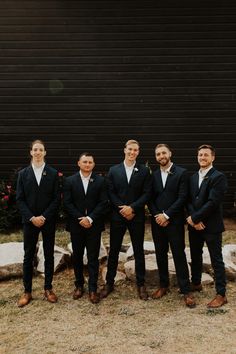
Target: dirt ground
{"type": "Point", "coordinates": [120, 324]}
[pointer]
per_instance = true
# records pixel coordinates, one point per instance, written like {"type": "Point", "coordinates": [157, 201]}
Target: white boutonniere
{"type": "Point", "coordinates": [135, 169]}
{"type": "Point", "coordinates": [91, 180]}
{"type": "Point", "coordinates": [170, 173]}
{"type": "Point", "coordinates": [44, 173]}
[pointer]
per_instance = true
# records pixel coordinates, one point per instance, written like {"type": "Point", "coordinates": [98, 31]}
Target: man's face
{"type": "Point", "coordinates": [131, 152]}
{"type": "Point", "coordinates": [86, 164]}
{"type": "Point", "coordinates": [205, 158]}
{"type": "Point", "coordinates": [38, 153]}
{"type": "Point", "coordinates": [163, 156]}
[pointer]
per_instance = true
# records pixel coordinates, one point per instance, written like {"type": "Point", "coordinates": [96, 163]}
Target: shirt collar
{"type": "Point", "coordinates": [83, 177]}
{"type": "Point", "coordinates": [203, 172]}
{"type": "Point", "coordinates": [129, 167]}
{"type": "Point", "coordinates": [38, 168]}
{"type": "Point", "coordinates": [167, 169]}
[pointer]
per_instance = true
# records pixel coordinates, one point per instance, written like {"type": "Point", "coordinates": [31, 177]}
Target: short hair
{"type": "Point", "coordinates": [132, 141]}
{"type": "Point", "coordinates": [206, 146]}
{"type": "Point", "coordinates": [37, 141]}
{"type": "Point", "coordinates": [162, 145]}
{"type": "Point", "coordinates": [85, 154]}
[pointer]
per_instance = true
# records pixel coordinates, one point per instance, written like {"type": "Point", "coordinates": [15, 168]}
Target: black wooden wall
{"type": "Point", "coordinates": [88, 75]}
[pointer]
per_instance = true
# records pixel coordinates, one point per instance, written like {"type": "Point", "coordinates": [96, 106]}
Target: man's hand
{"type": "Point", "coordinates": [38, 221]}
{"type": "Point", "coordinates": [84, 222]}
{"type": "Point", "coordinates": [199, 226]}
{"type": "Point", "coordinates": [126, 211]}
{"type": "Point", "coordinates": [161, 220]}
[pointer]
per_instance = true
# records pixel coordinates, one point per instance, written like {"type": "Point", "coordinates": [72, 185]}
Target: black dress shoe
{"type": "Point", "coordinates": [94, 297]}
{"type": "Point", "coordinates": [78, 293]}
{"type": "Point", "coordinates": [107, 289]}
{"type": "Point", "coordinates": [142, 292]}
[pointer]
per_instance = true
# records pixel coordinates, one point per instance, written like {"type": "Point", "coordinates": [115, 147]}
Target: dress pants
{"type": "Point", "coordinates": [31, 234]}
{"type": "Point", "coordinates": [214, 244]}
{"type": "Point", "coordinates": [91, 239]}
{"type": "Point", "coordinates": [117, 231]}
{"type": "Point", "coordinates": [172, 235]}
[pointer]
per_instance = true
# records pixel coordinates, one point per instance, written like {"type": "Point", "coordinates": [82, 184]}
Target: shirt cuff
{"type": "Point", "coordinates": [165, 215]}
{"type": "Point", "coordinates": [89, 219]}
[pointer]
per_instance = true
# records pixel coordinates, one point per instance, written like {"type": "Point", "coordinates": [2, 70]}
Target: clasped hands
{"type": "Point", "coordinates": [199, 226]}
{"type": "Point", "coordinates": [84, 222]}
{"type": "Point", "coordinates": [127, 212]}
{"type": "Point", "coordinates": [161, 220]}
{"type": "Point", "coordinates": [38, 221]}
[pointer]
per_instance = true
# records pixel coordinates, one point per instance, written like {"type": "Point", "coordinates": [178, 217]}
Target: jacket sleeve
{"type": "Point", "coordinates": [68, 201]}
{"type": "Point", "coordinates": [146, 194]}
{"type": "Point", "coordinates": [182, 196]}
{"type": "Point", "coordinates": [102, 206]}
{"type": "Point", "coordinates": [25, 212]}
{"type": "Point", "coordinates": [53, 207]}
{"type": "Point", "coordinates": [218, 187]}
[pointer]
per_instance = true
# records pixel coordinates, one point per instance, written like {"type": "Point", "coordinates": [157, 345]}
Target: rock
{"type": "Point", "coordinates": [102, 252]}
{"type": "Point", "coordinates": [11, 260]}
{"type": "Point", "coordinates": [229, 256]}
{"type": "Point", "coordinates": [152, 276]}
{"type": "Point", "coordinates": [207, 279]}
{"type": "Point", "coordinates": [120, 276]}
{"type": "Point", "coordinates": [148, 247]}
{"type": "Point", "coordinates": [61, 258]}
{"type": "Point", "coordinates": [122, 257]}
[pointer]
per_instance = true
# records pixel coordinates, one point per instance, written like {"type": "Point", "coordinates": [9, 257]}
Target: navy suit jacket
{"type": "Point", "coordinates": [136, 193]}
{"type": "Point", "coordinates": [33, 199]}
{"type": "Point", "coordinates": [170, 199]}
{"type": "Point", "coordinates": [93, 204]}
{"type": "Point", "coordinates": [205, 203]}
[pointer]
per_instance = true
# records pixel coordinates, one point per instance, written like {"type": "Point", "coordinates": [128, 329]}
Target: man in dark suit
{"type": "Point", "coordinates": [38, 199]}
{"type": "Point", "coordinates": [86, 202]}
{"type": "Point", "coordinates": [207, 189]}
{"type": "Point", "coordinates": [129, 191]}
{"type": "Point", "coordinates": [169, 193]}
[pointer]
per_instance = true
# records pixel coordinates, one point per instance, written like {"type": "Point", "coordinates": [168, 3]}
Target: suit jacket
{"type": "Point", "coordinates": [205, 203]}
{"type": "Point", "coordinates": [136, 193]}
{"type": "Point", "coordinates": [93, 204]}
{"type": "Point", "coordinates": [33, 199]}
{"type": "Point", "coordinates": [170, 199]}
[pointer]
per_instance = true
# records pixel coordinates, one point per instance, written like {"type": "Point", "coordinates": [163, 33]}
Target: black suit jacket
{"type": "Point", "coordinates": [93, 204]}
{"type": "Point", "coordinates": [205, 203]}
{"type": "Point", "coordinates": [170, 199]}
{"type": "Point", "coordinates": [136, 193]}
{"type": "Point", "coordinates": [33, 199]}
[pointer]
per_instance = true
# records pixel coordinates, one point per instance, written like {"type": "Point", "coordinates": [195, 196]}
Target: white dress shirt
{"type": "Point", "coordinates": [85, 181]}
{"type": "Point", "coordinates": [38, 172]}
{"type": "Point", "coordinates": [202, 174]}
{"type": "Point", "coordinates": [129, 170]}
{"type": "Point", "coordinates": [164, 174]}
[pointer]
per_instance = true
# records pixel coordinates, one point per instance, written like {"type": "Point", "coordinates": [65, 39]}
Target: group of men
{"type": "Point", "coordinates": [170, 195]}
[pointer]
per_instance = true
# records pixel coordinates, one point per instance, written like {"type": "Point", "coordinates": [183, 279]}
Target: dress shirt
{"type": "Point", "coordinates": [164, 175]}
{"type": "Point", "coordinates": [129, 170]}
{"type": "Point", "coordinates": [38, 172]}
{"type": "Point", "coordinates": [202, 174]}
{"type": "Point", "coordinates": [85, 181]}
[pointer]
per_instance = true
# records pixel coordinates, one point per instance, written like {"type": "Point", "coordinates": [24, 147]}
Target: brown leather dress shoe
{"type": "Point", "coordinates": [218, 301]}
{"type": "Point", "coordinates": [78, 293]}
{"type": "Point", "coordinates": [189, 300]}
{"type": "Point", "coordinates": [107, 289]}
{"type": "Point", "coordinates": [195, 287]}
{"type": "Point", "coordinates": [142, 292]}
{"type": "Point", "coordinates": [24, 299]}
{"type": "Point", "coordinates": [160, 293]}
{"type": "Point", "coordinates": [50, 296]}
{"type": "Point", "coordinates": [94, 297]}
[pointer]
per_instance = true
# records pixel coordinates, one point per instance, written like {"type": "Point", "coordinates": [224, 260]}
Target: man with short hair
{"type": "Point", "coordinates": [129, 191]}
{"type": "Point", "coordinates": [169, 194]}
{"type": "Point", "coordinates": [86, 202]}
{"type": "Point", "coordinates": [207, 189]}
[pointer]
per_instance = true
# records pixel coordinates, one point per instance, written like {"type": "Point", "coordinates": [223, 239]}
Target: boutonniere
{"type": "Point", "coordinates": [135, 169]}
{"type": "Point", "coordinates": [205, 177]}
{"type": "Point", "coordinates": [91, 180]}
{"type": "Point", "coordinates": [170, 173]}
{"type": "Point", "coordinates": [44, 173]}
